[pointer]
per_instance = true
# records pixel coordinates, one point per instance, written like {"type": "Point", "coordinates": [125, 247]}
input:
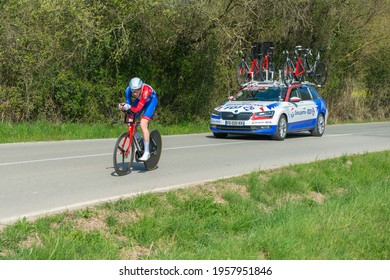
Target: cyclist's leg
{"type": "Point", "coordinates": [150, 107]}
{"type": "Point", "coordinates": [146, 117]}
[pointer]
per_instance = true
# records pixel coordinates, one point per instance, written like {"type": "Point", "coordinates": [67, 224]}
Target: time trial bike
{"type": "Point", "coordinates": [130, 144]}
{"type": "Point", "coordinates": [301, 68]}
{"type": "Point", "coordinates": [267, 67]}
{"type": "Point", "coordinates": [247, 70]}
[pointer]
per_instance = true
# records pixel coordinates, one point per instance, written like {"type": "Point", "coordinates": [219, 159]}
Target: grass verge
{"type": "Point", "coordinates": [331, 209]}
{"type": "Point", "coordinates": [43, 131]}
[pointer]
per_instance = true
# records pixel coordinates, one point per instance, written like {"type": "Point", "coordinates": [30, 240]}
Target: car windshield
{"type": "Point", "coordinates": [261, 94]}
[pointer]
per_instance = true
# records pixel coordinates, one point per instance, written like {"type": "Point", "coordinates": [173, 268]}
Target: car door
{"type": "Point", "coordinates": [297, 112]}
{"type": "Point", "coordinates": [309, 108]}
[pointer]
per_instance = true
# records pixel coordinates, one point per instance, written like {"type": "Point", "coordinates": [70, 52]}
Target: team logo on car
{"type": "Point", "coordinates": [248, 108]}
{"type": "Point", "coordinates": [272, 106]}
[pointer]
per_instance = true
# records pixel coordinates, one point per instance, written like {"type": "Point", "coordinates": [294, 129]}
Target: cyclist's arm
{"type": "Point", "coordinates": [126, 106]}
{"type": "Point", "coordinates": [128, 95]}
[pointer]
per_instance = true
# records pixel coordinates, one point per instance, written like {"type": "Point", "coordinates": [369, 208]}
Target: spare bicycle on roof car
{"type": "Point", "coordinates": [258, 67]}
{"type": "Point", "coordinates": [304, 66]}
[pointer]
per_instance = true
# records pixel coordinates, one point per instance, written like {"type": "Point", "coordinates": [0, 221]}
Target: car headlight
{"type": "Point", "coordinates": [215, 113]}
{"type": "Point", "coordinates": [265, 114]}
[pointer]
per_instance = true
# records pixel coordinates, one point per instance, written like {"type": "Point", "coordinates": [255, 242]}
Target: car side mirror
{"type": "Point", "coordinates": [295, 99]}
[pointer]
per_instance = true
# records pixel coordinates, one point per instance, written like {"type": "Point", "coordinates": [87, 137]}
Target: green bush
{"type": "Point", "coordinates": [72, 60]}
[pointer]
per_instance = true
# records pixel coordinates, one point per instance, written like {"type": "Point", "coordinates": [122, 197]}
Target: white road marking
{"type": "Point", "coordinates": [164, 149]}
{"type": "Point", "coordinates": [52, 159]}
{"type": "Point", "coordinates": [205, 145]}
{"type": "Point", "coordinates": [110, 154]}
{"type": "Point", "coordinates": [337, 135]}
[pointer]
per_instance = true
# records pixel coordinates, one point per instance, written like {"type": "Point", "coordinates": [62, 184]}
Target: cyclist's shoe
{"type": "Point", "coordinates": [145, 156]}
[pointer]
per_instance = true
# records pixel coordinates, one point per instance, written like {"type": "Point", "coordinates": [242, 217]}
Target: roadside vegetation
{"type": "Point", "coordinates": [69, 61]}
{"type": "Point", "coordinates": [330, 209]}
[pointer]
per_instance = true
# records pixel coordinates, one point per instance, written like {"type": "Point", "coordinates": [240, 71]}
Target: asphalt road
{"type": "Point", "coordinates": [46, 177]}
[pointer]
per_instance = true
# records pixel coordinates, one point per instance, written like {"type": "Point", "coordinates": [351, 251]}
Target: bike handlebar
{"type": "Point", "coordinates": [305, 51]}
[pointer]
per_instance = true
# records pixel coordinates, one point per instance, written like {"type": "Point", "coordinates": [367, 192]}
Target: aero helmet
{"type": "Point", "coordinates": [135, 83]}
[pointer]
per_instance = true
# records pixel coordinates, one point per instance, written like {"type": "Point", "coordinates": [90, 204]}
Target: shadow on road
{"type": "Point", "coordinates": [136, 167]}
{"type": "Point", "coordinates": [250, 137]}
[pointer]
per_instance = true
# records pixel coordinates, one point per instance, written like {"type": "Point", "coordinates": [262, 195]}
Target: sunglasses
{"type": "Point", "coordinates": [136, 91]}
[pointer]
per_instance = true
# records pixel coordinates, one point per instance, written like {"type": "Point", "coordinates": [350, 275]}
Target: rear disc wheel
{"type": "Point", "coordinates": [155, 148]}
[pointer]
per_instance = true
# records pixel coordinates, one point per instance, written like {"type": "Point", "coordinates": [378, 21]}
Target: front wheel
{"type": "Point", "coordinates": [320, 126]}
{"type": "Point", "coordinates": [281, 130]}
{"type": "Point", "coordinates": [320, 74]}
{"type": "Point", "coordinates": [123, 154]}
{"type": "Point", "coordinates": [154, 149]}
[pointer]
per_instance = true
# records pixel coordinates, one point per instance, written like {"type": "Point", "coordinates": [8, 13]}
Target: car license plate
{"type": "Point", "coordinates": [238, 123]}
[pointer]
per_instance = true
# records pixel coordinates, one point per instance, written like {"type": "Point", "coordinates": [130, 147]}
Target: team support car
{"type": "Point", "coordinates": [271, 109]}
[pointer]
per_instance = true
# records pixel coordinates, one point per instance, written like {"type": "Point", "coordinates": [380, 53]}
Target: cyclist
{"type": "Point", "coordinates": [145, 102]}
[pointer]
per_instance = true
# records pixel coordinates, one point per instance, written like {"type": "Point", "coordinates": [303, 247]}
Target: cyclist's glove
{"type": "Point", "coordinates": [126, 107]}
{"type": "Point", "coordinates": [123, 107]}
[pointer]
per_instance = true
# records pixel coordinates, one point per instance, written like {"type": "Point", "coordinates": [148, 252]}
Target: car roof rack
{"type": "Point", "coordinates": [308, 83]}
{"type": "Point", "coordinates": [311, 84]}
{"type": "Point", "coordinates": [262, 83]}
{"type": "Point", "coordinates": [305, 83]}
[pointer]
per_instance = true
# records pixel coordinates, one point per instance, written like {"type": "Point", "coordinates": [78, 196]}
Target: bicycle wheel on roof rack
{"type": "Point", "coordinates": [320, 74]}
{"type": "Point", "coordinates": [288, 73]}
{"type": "Point", "coordinates": [301, 77]}
{"type": "Point", "coordinates": [242, 74]}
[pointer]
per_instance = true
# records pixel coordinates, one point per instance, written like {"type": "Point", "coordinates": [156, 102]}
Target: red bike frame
{"type": "Point", "coordinates": [131, 130]}
{"type": "Point", "coordinates": [299, 68]}
{"type": "Point", "coordinates": [265, 64]}
{"type": "Point", "coordinates": [254, 68]}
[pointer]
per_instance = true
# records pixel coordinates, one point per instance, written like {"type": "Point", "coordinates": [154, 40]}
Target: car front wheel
{"type": "Point", "coordinates": [281, 130]}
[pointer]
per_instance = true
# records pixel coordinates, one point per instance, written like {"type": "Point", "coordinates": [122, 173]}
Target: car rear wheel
{"type": "Point", "coordinates": [281, 130]}
{"type": "Point", "coordinates": [220, 135]}
{"type": "Point", "coordinates": [320, 126]}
